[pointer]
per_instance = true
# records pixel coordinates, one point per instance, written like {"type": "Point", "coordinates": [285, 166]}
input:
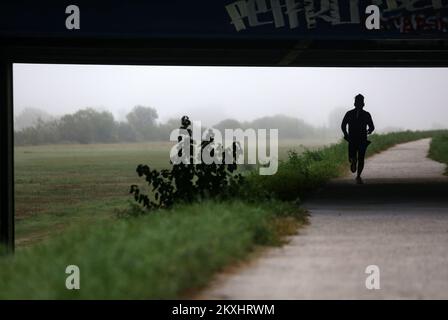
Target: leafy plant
{"type": "Point", "coordinates": [188, 182]}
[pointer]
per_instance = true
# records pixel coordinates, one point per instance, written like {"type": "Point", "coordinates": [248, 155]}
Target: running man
{"type": "Point", "coordinates": [360, 124]}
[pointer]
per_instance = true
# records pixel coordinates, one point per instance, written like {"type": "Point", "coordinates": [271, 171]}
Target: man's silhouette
{"type": "Point", "coordinates": [360, 124]}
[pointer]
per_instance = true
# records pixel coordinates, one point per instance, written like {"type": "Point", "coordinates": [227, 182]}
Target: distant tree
{"type": "Point", "coordinates": [88, 126]}
{"type": "Point", "coordinates": [125, 132]}
{"type": "Point", "coordinates": [391, 129]}
{"type": "Point", "coordinates": [228, 124]}
{"type": "Point", "coordinates": [144, 121]}
{"type": "Point", "coordinates": [29, 117]}
{"type": "Point", "coordinates": [288, 127]}
{"type": "Point", "coordinates": [104, 127]}
{"type": "Point", "coordinates": [41, 133]}
{"type": "Point", "coordinates": [164, 129]}
{"type": "Point", "coordinates": [438, 126]}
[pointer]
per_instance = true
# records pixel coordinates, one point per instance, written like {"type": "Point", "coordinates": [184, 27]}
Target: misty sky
{"type": "Point", "coordinates": [405, 98]}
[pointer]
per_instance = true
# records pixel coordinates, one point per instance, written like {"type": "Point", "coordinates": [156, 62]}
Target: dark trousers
{"type": "Point", "coordinates": [357, 151]}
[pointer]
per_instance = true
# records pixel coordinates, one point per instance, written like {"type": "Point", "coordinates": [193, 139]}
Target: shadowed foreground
{"type": "Point", "coordinates": [397, 220]}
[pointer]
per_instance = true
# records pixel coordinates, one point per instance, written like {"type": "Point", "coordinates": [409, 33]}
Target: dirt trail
{"type": "Point", "coordinates": [397, 220]}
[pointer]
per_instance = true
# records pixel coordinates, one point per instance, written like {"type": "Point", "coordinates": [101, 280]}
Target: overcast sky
{"type": "Point", "coordinates": [406, 98]}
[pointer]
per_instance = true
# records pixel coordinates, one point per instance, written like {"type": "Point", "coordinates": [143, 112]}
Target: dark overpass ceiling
{"type": "Point", "coordinates": [179, 32]}
{"type": "Point", "coordinates": [362, 53]}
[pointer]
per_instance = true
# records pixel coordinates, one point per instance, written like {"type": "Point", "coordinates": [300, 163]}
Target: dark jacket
{"type": "Point", "coordinates": [359, 125]}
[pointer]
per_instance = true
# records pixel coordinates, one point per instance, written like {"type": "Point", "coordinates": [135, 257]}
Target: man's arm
{"type": "Point", "coordinates": [370, 125]}
{"type": "Point", "coordinates": [344, 126]}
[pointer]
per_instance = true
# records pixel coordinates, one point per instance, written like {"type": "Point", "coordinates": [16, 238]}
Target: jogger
{"type": "Point", "coordinates": [359, 124]}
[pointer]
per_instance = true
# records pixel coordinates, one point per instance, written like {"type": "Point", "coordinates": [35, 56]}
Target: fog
{"type": "Point", "coordinates": [398, 98]}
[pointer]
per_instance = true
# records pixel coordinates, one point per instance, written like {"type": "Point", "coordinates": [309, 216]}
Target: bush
{"type": "Point", "coordinates": [189, 182]}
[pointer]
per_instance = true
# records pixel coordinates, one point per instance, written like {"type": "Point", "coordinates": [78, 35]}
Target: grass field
{"type": "Point", "coordinates": [61, 185]}
{"type": "Point", "coordinates": [67, 184]}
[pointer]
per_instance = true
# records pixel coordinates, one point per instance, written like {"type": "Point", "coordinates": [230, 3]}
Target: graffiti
{"type": "Point", "coordinates": [310, 14]}
{"type": "Point", "coordinates": [281, 13]}
{"type": "Point", "coordinates": [414, 16]}
{"type": "Point", "coordinates": [417, 23]}
{"type": "Point", "coordinates": [388, 6]}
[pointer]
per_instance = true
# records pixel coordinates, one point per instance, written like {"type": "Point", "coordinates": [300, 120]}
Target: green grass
{"type": "Point", "coordinates": [60, 185]}
{"type": "Point", "coordinates": [439, 149]}
{"type": "Point", "coordinates": [160, 255]}
{"type": "Point", "coordinates": [57, 186]}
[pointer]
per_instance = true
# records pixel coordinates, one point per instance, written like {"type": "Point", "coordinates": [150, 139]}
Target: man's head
{"type": "Point", "coordinates": [359, 101]}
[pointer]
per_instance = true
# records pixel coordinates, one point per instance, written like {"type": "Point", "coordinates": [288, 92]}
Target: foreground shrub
{"type": "Point", "coordinates": [190, 182]}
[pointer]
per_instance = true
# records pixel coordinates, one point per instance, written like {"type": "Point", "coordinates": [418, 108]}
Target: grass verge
{"type": "Point", "coordinates": [157, 256]}
{"type": "Point", "coordinates": [439, 149]}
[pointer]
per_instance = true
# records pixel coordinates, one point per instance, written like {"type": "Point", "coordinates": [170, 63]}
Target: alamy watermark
{"type": "Point", "coordinates": [72, 282]}
{"type": "Point", "coordinates": [373, 278]}
{"type": "Point", "coordinates": [261, 146]}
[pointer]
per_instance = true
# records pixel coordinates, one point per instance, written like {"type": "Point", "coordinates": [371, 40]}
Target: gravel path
{"type": "Point", "coordinates": [397, 220]}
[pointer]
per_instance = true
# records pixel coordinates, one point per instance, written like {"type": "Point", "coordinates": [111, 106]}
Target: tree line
{"type": "Point", "coordinates": [90, 126]}
{"type": "Point", "coordinates": [35, 127]}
